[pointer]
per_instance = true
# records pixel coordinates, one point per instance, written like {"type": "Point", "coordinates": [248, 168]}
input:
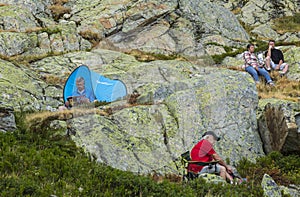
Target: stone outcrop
{"type": "Point", "coordinates": [279, 127]}
{"type": "Point", "coordinates": [7, 119]}
{"type": "Point", "coordinates": [170, 117]}
{"type": "Point", "coordinates": [271, 189]}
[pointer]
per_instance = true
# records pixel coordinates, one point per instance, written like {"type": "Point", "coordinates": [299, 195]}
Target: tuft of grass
{"type": "Point", "coordinates": [53, 80]}
{"type": "Point", "coordinates": [58, 10]}
{"type": "Point", "coordinates": [148, 57]}
{"type": "Point", "coordinates": [287, 24]}
{"type": "Point", "coordinates": [91, 36]}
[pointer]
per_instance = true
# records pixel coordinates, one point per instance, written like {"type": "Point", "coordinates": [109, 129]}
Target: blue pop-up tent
{"type": "Point", "coordinates": [104, 89]}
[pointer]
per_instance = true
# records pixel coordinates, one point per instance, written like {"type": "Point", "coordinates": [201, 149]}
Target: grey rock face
{"type": "Point", "coordinates": [270, 187]}
{"type": "Point", "coordinates": [7, 120]}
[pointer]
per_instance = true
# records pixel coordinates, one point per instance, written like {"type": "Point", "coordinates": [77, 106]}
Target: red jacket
{"type": "Point", "coordinates": [203, 152]}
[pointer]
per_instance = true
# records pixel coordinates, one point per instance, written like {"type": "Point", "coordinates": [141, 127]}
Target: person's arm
{"type": "Point", "coordinates": [269, 51]}
{"type": "Point", "coordinates": [281, 58]}
{"type": "Point", "coordinates": [222, 162]}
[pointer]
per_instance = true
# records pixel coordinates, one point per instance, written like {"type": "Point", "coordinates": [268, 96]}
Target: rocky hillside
{"type": "Point", "coordinates": [163, 50]}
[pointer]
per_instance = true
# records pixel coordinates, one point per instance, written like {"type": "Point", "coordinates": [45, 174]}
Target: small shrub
{"type": "Point", "coordinates": [58, 11]}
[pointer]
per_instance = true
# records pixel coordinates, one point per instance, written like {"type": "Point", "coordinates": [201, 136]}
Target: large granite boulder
{"type": "Point", "coordinates": [170, 118]}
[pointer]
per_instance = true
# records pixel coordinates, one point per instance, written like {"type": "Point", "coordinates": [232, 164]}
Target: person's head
{"type": "Point", "coordinates": [80, 83]}
{"type": "Point", "coordinates": [211, 137]}
{"type": "Point", "coordinates": [250, 48]}
{"type": "Point", "coordinates": [272, 43]}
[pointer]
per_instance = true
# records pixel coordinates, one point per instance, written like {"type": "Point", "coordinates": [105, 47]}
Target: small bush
{"type": "Point", "coordinates": [287, 24]}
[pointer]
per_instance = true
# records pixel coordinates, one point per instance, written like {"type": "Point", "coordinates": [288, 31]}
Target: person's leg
{"type": "Point", "coordinates": [265, 74]}
{"type": "Point", "coordinates": [224, 174]}
{"type": "Point", "coordinates": [273, 65]}
{"type": "Point", "coordinates": [252, 72]}
{"type": "Point", "coordinates": [268, 63]}
{"type": "Point", "coordinates": [217, 169]}
{"type": "Point", "coordinates": [284, 67]}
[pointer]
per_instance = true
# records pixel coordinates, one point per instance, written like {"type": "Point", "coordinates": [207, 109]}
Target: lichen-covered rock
{"type": "Point", "coordinates": [14, 18]}
{"type": "Point", "coordinates": [198, 11]}
{"type": "Point", "coordinates": [13, 43]}
{"type": "Point", "coordinates": [271, 189]}
{"type": "Point", "coordinates": [21, 89]}
{"type": "Point", "coordinates": [7, 119]}
{"type": "Point", "coordinates": [292, 57]}
{"type": "Point", "coordinates": [180, 107]}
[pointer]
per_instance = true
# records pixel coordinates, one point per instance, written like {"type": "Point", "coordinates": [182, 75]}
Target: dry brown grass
{"type": "Point", "coordinates": [91, 36]}
{"type": "Point", "coordinates": [58, 11]}
{"type": "Point", "coordinates": [54, 80]}
{"type": "Point", "coordinates": [60, 2]}
{"type": "Point", "coordinates": [43, 119]}
{"type": "Point", "coordinates": [285, 89]}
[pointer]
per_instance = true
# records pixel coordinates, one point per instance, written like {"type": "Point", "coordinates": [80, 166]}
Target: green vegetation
{"type": "Point", "coordinates": [287, 24]}
{"type": "Point", "coordinates": [219, 58]}
{"type": "Point", "coordinates": [44, 163]}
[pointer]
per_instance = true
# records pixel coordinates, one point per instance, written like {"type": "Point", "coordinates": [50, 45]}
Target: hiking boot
{"type": "Point", "coordinates": [268, 68]}
{"type": "Point", "coordinates": [271, 83]}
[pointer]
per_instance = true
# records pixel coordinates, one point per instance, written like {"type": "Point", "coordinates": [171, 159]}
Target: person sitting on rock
{"type": "Point", "coordinates": [253, 67]}
{"type": "Point", "coordinates": [203, 151]}
{"type": "Point", "coordinates": [275, 59]}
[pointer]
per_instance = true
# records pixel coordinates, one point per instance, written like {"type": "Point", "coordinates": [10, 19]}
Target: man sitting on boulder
{"type": "Point", "coordinates": [275, 59]}
{"type": "Point", "coordinates": [203, 151]}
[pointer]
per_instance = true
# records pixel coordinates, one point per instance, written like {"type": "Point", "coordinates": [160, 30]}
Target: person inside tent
{"type": "Point", "coordinates": [203, 151]}
{"type": "Point", "coordinates": [80, 95]}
